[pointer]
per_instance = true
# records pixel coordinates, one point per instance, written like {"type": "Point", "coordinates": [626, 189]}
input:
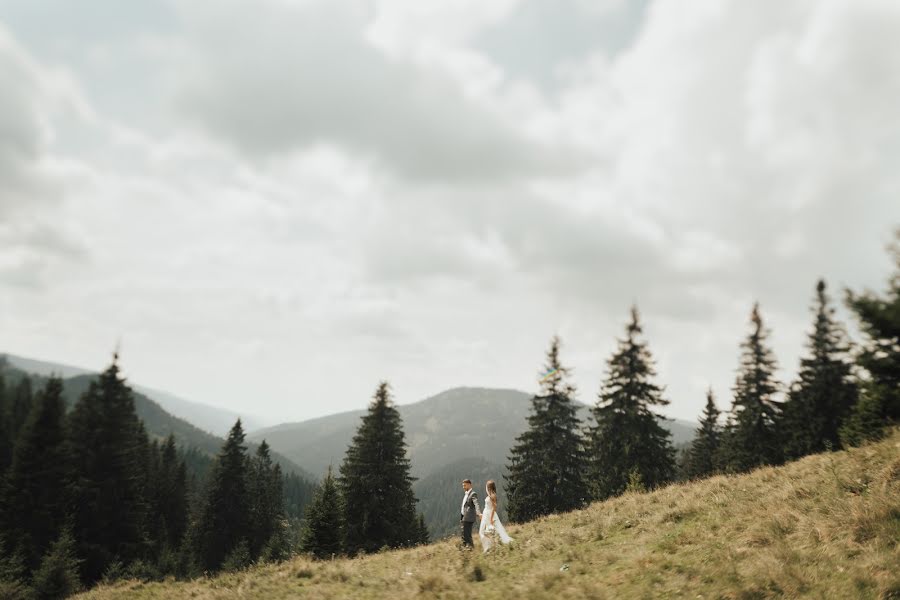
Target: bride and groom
{"type": "Point", "coordinates": [490, 520]}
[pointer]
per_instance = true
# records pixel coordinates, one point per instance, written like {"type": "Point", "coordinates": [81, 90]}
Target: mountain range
{"type": "Point", "coordinates": [158, 422]}
{"type": "Point", "coordinates": [459, 423]}
{"type": "Point", "coordinates": [461, 432]}
{"type": "Point", "coordinates": [209, 418]}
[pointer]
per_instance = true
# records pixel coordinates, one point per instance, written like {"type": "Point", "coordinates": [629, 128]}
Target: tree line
{"type": "Point", "coordinates": [842, 396]}
{"type": "Point", "coordinates": [86, 495]}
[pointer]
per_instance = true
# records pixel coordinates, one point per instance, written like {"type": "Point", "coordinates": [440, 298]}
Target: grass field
{"type": "Point", "coordinates": [827, 526]}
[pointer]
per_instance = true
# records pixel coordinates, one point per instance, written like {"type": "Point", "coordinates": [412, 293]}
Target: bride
{"type": "Point", "coordinates": [490, 521]}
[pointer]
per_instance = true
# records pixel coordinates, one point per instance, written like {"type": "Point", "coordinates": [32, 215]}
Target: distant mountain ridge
{"type": "Point", "coordinates": [158, 422]}
{"type": "Point", "coordinates": [209, 418]}
{"type": "Point", "coordinates": [456, 424]}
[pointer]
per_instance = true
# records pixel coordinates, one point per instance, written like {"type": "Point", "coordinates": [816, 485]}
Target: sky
{"type": "Point", "coordinates": [271, 206]}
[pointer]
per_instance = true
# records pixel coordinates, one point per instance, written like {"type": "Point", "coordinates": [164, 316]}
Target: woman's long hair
{"type": "Point", "coordinates": [492, 492]}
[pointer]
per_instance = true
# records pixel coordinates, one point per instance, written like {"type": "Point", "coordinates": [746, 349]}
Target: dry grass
{"type": "Point", "coordinates": [827, 526]}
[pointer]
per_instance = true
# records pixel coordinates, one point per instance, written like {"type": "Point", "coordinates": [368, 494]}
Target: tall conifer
{"type": "Point", "coordinates": [18, 407]}
{"type": "Point", "coordinates": [751, 436]}
{"type": "Point", "coordinates": [266, 499]}
{"type": "Point", "coordinates": [168, 495]}
{"type": "Point", "coordinates": [106, 443]}
{"type": "Point", "coordinates": [627, 442]}
{"type": "Point", "coordinates": [32, 503]}
{"type": "Point", "coordinates": [824, 394]}
{"type": "Point", "coordinates": [323, 529]}
{"type": "Point", "coordinates": [6, 441]}
{"type": "Point", "coordinates": [879, 317]}
{"type": "Point", "coordinates": [224, 523]}
{"type": "Point", "coordinates": [703, 456]}
{"type": "Point", "coordinates": [548, 463]}
{"type": "Point", "coordinates": [375, 484]}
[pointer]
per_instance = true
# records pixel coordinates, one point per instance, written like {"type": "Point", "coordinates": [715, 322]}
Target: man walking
{"type": "Point", "coordinates": [467, 513]}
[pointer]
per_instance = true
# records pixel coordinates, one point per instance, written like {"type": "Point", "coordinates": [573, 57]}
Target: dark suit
{"type": "Point", "coordinates": [467, 518]}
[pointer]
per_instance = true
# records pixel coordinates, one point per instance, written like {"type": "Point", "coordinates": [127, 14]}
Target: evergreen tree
{"type": "Point", "coordinates": [423, 537]}
{"type": "Point", "coordinates": [627, 442]}
{"type": "Point", "coordinates": [57, 576]}
{"type": "Point", "coordinates": [375, 483]}
{"type": "Point", "coordinates": [6, 441]}
{"type": "Point", "coordinates": [702, 457]}
{"type": "Point", "coordinates": [751, 437]}
{"type": "Point", "coordinates": [323, 530]}
{"type": "Point", "coordinates": [106, 443]}
{"type": "Point", "coordinates": [822, 398]}
{"type": "Point", "coordinates": [32, 503]}
{"type": "Point", "coordinates": [298, 492]}
{"type": "Point", "coordinates": [547, 465]}
{"type": "Point", "coordinates": [167, 495]}
{"type": "Point", "coordinates": [879, 318]}
{"type": "Point", "coordinates": [19, 406]}
{"type": "Point", "coordinates": [267, 499]}
{"type": "Point", "coordinates": [224, 523]}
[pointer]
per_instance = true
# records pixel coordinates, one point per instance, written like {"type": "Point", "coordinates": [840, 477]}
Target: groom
{"type": "Point", "coordinates": [467, 513]}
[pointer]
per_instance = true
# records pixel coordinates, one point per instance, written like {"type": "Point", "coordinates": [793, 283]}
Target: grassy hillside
{"type": "Point", "coordinates": [827, 526]}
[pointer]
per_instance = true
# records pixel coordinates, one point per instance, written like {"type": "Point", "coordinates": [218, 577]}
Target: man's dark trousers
{"type": "Point", "coordinates": [467, 533]}
{"type": "Point", "coordinates": [467, 517]}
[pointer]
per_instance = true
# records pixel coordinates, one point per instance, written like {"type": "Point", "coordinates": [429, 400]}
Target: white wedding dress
{"type": "Point", "coordinates": [490, 529]}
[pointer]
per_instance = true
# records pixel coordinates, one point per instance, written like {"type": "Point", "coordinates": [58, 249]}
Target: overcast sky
{"type": "Point", "coordinates": [276, 204]}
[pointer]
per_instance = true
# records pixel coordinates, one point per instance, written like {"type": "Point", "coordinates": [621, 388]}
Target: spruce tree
{"type": "Point", "coordinates": [106, 443]}
{"type": "Point", "coordinates": [879, 318]}
{"type": "Point", "coordinates": [323, 530]}
{"type": "Point", "coordinates": [57, 576]}
{"type": "Point", "coordinates": [375, 483]}
{"type": "Point", "coordinates": [224, 523]}
{"type": "Point", "coordinates": [423, 537]}
{"type": "Point", "coordinates": [702, 457]}
{"type": "Point", "coordinates": [822, 398]}
{"type": "Point", "coordinates": [547, 465]}
{"type": "Point", "coordinates": [19, 406]}
{"type": "Point", "coordinates": [751, 435]}
{"type": "Point", "coordinates": [627, 443]}
{"type": "Point", "coordinates": [267, 499]}
{"type": "Point", "coordinates": [32, 503]}
{"type": "Point", "coordinates": [167, 495]}
{"type": "Point", "coordinates": [6, 441]}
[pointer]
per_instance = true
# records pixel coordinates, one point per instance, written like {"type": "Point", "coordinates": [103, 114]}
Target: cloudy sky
{"type": "Point", "coordinates": [275, 204]}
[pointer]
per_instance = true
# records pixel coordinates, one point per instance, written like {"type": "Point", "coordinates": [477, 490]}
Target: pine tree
{"type": "Point", "coordinates": [751, 437]}
{"type": "Point", "coordinates": [267, 499]}
{"type": "Point", "coordinates": [108, 475]}
{"type": "Point", "coordinates": [627, 442]}
{"type": "Point", "coordinates": [32, 503]}
{"type": "Point", "coordinates": [57, 576]}
{"type": "Point", "coordinates": [224, 523]}
{"type": "Point", "coordinates": [547, 465]}
{"type": "Point", "coordinates": [702, 457]}
{"type": "Point", "coordinates": [879, 318]}
{"type": "Point", "coordinates": [375, 483]}
{"type": "Point", "coordinates": [6, 441]}
{"type": "Point", "coordinates": [19, 406]}
{"type": "Point", "coordinates": [323, 530]}
{"type": "Point", "coordinates": [423, 537]}
{"type": "Point", "coordinates": [167, 495]}
{"type": "Point", "coordinates": [822, 398]}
